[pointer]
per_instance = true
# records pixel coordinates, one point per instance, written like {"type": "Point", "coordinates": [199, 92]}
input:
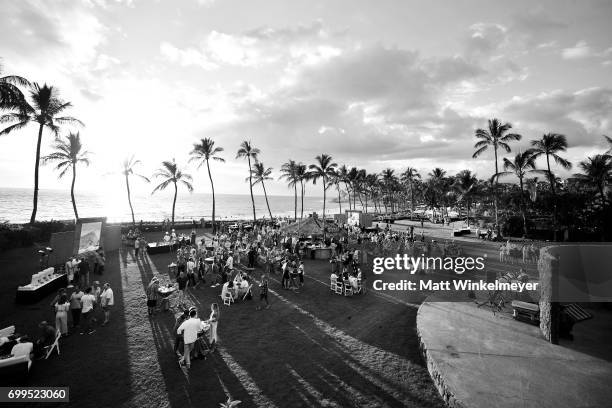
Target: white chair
{"type": "Point", "coordinates": [55, 345]}
{"type": "Point", "coordinates": [348, 289]}
{"type": "Point", "coordinates": [228, 299]}
{"type": "Point", "coordinates": [339, 290]}
{"type": "Point", "coordinates": [332, 284]}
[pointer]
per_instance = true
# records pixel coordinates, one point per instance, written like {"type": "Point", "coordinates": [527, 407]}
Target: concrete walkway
{"type": "Point", "coordinates": [480, 360]}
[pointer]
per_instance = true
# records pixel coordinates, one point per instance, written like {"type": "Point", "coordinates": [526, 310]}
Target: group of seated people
{"type": "Point", "coordinates": [349, 272]}
{"type": "Point", "coordinates": [15, 345]}
{"type": "Point", "coordinates": [238, 287]}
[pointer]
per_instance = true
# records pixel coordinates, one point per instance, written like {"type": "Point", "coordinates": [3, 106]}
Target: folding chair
{"type": "Point", "coordinates": [348, 289]}
{"type": "Point", "coordinates": [339, 288]}
{"type": "Point", "coordinates": [55, 345]}
{"type": "Point", "coordinates": [332, 284]}
{"type": "Point", "coordinates": [228, 299]}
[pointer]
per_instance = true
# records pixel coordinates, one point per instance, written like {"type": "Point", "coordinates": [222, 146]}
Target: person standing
{"type": "Point", "coordinates": [263, 291]}
{"type": "Point", "coordinates": [107, 300]}
{"type": "Point", "coordinates": [214, 322]}
{"type": "Point", "coordinates": [301, 273]}
{"type": "Point", "coordinates": [61, 314]}
{"type": "Point", "coordinates": [183, 283]}
{"type": "Point", "coordinates": [189, 329]}
{"type": "Point", "coordinates": [75, 306]}
{"type": "Point", "coordinates": [137, 247]}
{"type": "Point", "coordinates": [152, 295]}
{"type": "Point", "coordinates": [87, 301]}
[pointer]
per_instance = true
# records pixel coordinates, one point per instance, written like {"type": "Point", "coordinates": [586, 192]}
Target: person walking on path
{"type": "Point", "coordinates": [263, 292]}
{"type": "Point", "coordinates": [214, 322]}
{"type": "Point", "coordinates": [61, 314]}
{"type": "Point", "coordinates": [107, 301]}
{"type": "Point", "coordinates": [75, 306]}
{"type": "Point", "coordinates": [189, 329]}
{"type": "Point", "coordinates": [88, 302]}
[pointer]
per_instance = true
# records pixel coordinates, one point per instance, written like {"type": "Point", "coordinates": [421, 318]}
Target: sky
{"type": "Point", "coordinates": [373, 84]}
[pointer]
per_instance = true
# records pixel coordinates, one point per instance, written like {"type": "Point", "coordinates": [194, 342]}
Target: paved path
{"type": "Point", "coordinates": [480, 360]}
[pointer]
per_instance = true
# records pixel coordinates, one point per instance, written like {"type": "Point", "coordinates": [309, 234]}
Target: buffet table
{"type": "Point", "coordinates": [320, 253]}
{"type": "Point", "coordinates": [160, 247]}
{"type": "Point", "coordinates": [37, 290]}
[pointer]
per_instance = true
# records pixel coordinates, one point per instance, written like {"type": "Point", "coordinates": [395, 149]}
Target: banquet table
{"type": "Point", "coordinates": [160, 247]}
{"type": "Point", "coordinates": [165, 291]}
{"type": "Point", "coordinates": [29, 294]}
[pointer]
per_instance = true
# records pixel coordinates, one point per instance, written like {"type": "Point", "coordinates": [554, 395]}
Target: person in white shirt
{"type": "Point", "coordinates": [189, 329]}
{"type": "Point", "coordinates": [107, 300]}
{"type": "Point", "coordinates": [87, 304]}
{"type": "Point", "coordinates": [229, 264]}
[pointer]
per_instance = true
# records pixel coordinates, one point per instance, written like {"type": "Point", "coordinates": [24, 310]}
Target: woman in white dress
{"type": "Point", "coordinates": [213, 320]}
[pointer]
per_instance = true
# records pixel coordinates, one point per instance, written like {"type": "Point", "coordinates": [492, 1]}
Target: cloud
{"type": "Point", "coordinates": [304, 43]}
{"type": "Point", "coordinates": [578, 51]}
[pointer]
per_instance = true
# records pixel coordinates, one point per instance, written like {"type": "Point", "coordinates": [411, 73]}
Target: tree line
{"type": "Point", "coordinates": [24, 103]}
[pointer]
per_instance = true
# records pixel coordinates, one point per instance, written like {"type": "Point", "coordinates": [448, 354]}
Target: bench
{"type": "Point", "coordinates": [527, 312]}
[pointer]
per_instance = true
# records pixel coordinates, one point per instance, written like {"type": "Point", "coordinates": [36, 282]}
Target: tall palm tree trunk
{"type": "Point", "coordinates": [294, 202]}
{"type": "Point", "coordinates": [495, 192]}
{"type": "Point", "coordinates": [174, 202]}
{"type": "Point", "coordinates": [251, 189]}
{"type": "Point", "coordinates": [302, 191]}
{"type": "Point", "coordinates": [324, 196]}
{"type": "Point", "coordinates": [523, 210]}
{"type": "Point", "coordinates": [339, 200]}
{"type": "Point", "coordinates": [36, 166]}
{"type": "Point", "coordinates": [348, 192]}
{"type": "Point", "coordinates": [212, 187]}
{"type": "Point", "coordinates": [551, 180]}
{"type": "Point", "coordinates": [412, 202]}
{"type": "Point", "coordinates": [76, 214]}
{"type": "Point", "coordinates": [129, 195]}
{"type": "Point", "coordinates": [266, 196]}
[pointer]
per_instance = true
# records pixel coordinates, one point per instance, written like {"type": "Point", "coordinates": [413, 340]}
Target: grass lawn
{"type": "Point", "coordinates": [311, 348]}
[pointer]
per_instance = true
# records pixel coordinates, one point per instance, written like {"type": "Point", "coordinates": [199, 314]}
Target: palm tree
{"type": "Point", "coordinates": [259, 175]}
{"type": "Point", "coordinates": [169, 172]}
{"type": "Point", "coordinates": [336, 180]}
{"type": "Point", "coordinates": [371, 184]}
{"type": "Point", "coordinates": [343, 175]}
{"type": "Point", "coordinates": [44, 111]}
{"type": "Point", "coordinates": [68, 153]}
{"type": "Point", "coordinates": [202, 153]}
{"type": "Point", "coordinates": [597, 171]}
{"type": "Point", "coordinates": [324, 169]}
{"type": "Point", "coordinates": [247, 150]}
{"type": "Point", "coordinates": [11, 96]}
{"type": "Point", "coordinates": [352, 176]}
{"type": "Point", "coordinates": [496, 137]}
{"type": "Point", "coordinates": [408, 177]}
{"type": "Point", "coordinates": [388, 179]}
{"type": "Point", "coordinates": [550, 145]}
{"type": "Point", "coordinates": [609, 140]}
{"type": "Point", "coordinates": [128, 169]}
{"type": "Point", "coordinates": [303, 176]}
{"type": "Point", "coordinates": [524, 162]}
{"type": "Point", "coordinates": [289, 173]}
{"type": "Point", "coordinates": [466, 185]}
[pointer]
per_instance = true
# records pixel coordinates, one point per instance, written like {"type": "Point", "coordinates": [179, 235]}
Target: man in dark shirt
{"type": "Point", "coordinates": [263, 291]}
{"type": "Point", "coordinates": [183, 283]}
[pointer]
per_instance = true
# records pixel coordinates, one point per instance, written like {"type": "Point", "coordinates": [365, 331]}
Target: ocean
{"type": "Point", "coordinates": [16, 206]}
